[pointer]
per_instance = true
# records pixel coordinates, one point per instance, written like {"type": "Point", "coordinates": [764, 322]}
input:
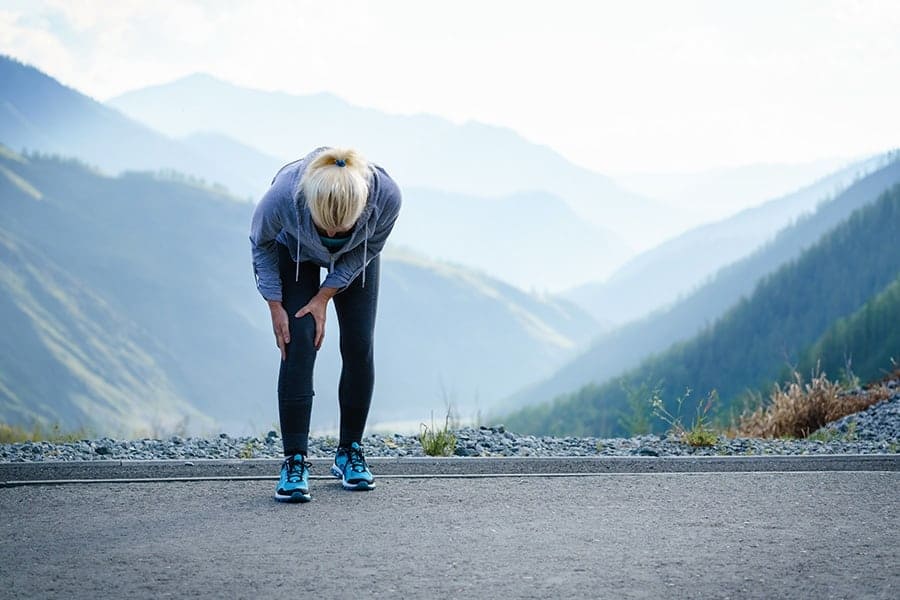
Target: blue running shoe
{"type": "Point", "coordinates": [293, 486]}
{"type": "Point", "coordinates": [351, 468]}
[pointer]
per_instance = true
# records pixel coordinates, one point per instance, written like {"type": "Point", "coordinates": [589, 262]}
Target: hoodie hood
{"type": "Point", "coordinates": [308, 235]}
{"type": "Point", "coordinates": [283, 216]}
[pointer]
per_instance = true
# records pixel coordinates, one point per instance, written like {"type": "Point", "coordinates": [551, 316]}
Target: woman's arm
{"type": "Point", "coordinates": [264, 227]}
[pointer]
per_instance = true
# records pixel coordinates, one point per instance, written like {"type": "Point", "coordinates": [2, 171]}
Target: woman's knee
{"type": "Point", "coordinates": [303, 330]}
{"type": "Point", "coordinates": [357, 346]}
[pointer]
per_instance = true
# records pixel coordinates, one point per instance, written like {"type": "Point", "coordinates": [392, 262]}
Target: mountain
{"type": "Point", "coordinates": [510, 224]}
{"type": "Point", "coordinates": [471, 159]}
{"type": "Point", "coordinates": [625, 347]}
{"type": "Point", "coordinates": [661, 275]}
{"type": "Point", "coordinates": [530, 239]}
{"type": "Point", "coordinates": [747, 349]}
{"type": "Point", "coordinates": [447, 334]}
{"type": "Point", "coordinates": [58, 335]}
{"type": "Point", "coordinates": [37, 113]}
{"type": "Point", "coordinates": [130, 305]}
{"type": "Point", "coordinates": [715, 194]}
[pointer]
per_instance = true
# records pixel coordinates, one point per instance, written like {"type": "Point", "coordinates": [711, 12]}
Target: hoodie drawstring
{"type": "Point", "coordinates": [297, 271]}
{"type": "Point", "coordinates": [365, 254]}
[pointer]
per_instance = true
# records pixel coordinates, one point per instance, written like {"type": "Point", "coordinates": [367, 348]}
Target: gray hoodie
{"type": "Point", "coordinates": [283, 216]}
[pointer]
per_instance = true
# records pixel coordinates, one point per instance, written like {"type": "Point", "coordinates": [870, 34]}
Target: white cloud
{"type": "Point", "coordinates": [613, 85]}
{"type": "Point", "coordinates": [34, 45]}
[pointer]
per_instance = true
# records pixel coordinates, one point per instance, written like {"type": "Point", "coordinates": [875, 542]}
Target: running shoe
{"type": "Point", "coordinates": [293, 486]}
{"type": "Point", "coordinates": [351, 468]}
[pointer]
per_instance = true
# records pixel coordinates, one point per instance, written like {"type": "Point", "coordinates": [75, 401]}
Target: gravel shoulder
{"type": "Point", "coordinates": [875, 430]}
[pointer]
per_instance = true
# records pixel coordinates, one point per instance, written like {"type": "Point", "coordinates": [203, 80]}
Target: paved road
{"type": "Point", "coordinates": [699, 535]}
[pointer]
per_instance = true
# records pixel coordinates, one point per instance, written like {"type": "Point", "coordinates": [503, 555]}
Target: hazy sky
{"type": "Point", "coordinates": [616, 86]}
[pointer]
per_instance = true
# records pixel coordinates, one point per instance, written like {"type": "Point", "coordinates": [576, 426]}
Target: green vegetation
{"type": "Point", "coordinates": [831, 435]}
{"type": "Point", "coordinates": [614, 353]}
{"type": "Point", "coordinates": [698, 432]}
{"type": "Point", "coordinates": [865, 341]}
{"type": "Point", "coordinates": [635, 419]}
{"type": "Point", "coordinates": [248, 450]}
{"type": "Point", "coordinates": [438, 442]}
{"type": "Point", "coordinates": [788, 312]}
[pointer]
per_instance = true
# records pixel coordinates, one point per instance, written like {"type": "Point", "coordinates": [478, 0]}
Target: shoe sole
{"type": "Point", "coordinates": [361, 486]}
{"type": "Point", "coordinates": [296, 497]}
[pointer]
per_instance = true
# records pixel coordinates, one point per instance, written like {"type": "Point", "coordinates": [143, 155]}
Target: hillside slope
{"type": "Point", "coordinates": [133, 296]}
{"type": "Point", "coordinates": [868, 341]}
{"type": "Point", "coordinates": [623, 348]}
{"type": "Point", "coordinates": [747, 348]}
{"type": "Point", "coordinates": [656, 278]}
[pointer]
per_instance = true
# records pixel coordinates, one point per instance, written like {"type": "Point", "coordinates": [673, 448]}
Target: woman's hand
{"type": "Point", "coordinates": [316, 307]}
{"type": "Point", "coordinates": [280, 326]}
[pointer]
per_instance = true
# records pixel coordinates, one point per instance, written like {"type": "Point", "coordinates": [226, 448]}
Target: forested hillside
{"type": "Point", "coordinates": [865, 345]}
{"type": "Point", "coordinates": [747, 349]}
{"type": "Point", "coordinates": [624, 348]}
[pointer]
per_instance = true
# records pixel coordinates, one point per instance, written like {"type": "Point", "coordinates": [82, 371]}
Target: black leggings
{"type": "Point", "coordinates": [355, 307]}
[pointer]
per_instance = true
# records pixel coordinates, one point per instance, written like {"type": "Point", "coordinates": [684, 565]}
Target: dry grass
{"type": "Point", "coordinates": [799, 408]}
{"type": "Point", "coordinates": [14, 434]}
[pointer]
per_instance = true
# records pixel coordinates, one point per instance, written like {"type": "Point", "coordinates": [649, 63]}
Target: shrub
{"type": "Point", "coordinates": [438, 442]}
{"type": "Point", "coordinates": [699, 433]}
{"type": "Point", "coordinates": [797, 409]}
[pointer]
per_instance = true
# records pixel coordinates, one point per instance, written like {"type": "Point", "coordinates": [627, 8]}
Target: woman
{"type": "Point", "coordinates": [329, 209]}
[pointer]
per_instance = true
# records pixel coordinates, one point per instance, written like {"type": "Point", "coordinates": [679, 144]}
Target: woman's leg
{"type": "Point", "coordinates": [295, 378]}
{"type": "Point", "coordinates": [356, 307]}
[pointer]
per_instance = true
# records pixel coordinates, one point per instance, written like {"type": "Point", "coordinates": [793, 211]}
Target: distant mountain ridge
{"type": "Point", "coordinates": [38, 113]}
{"type": "Point", "coordinates": [721, 192]}
{"type": "Point", "coordinates": [530, 239]}
{"type": "Point", "coordinates": [420, 150]}
{"type": "Point", "coordinates": [657, 277]}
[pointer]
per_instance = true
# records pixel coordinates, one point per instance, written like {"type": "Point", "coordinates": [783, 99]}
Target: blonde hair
{"type": "Point", "coordinates": [336, 187]}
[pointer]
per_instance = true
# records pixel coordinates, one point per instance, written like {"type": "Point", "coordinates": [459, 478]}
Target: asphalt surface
{"type": "Point", "coordinates": [750, 533]}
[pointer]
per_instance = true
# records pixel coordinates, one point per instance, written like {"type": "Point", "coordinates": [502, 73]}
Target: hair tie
{"type": "Point", "coordinates": [340, 162]}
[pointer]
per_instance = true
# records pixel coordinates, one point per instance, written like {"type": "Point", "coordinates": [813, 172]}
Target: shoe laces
{"type": "Point", "coordinates": [356, 460]}
{"type": "Point", "coordinates": [295, 468]}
